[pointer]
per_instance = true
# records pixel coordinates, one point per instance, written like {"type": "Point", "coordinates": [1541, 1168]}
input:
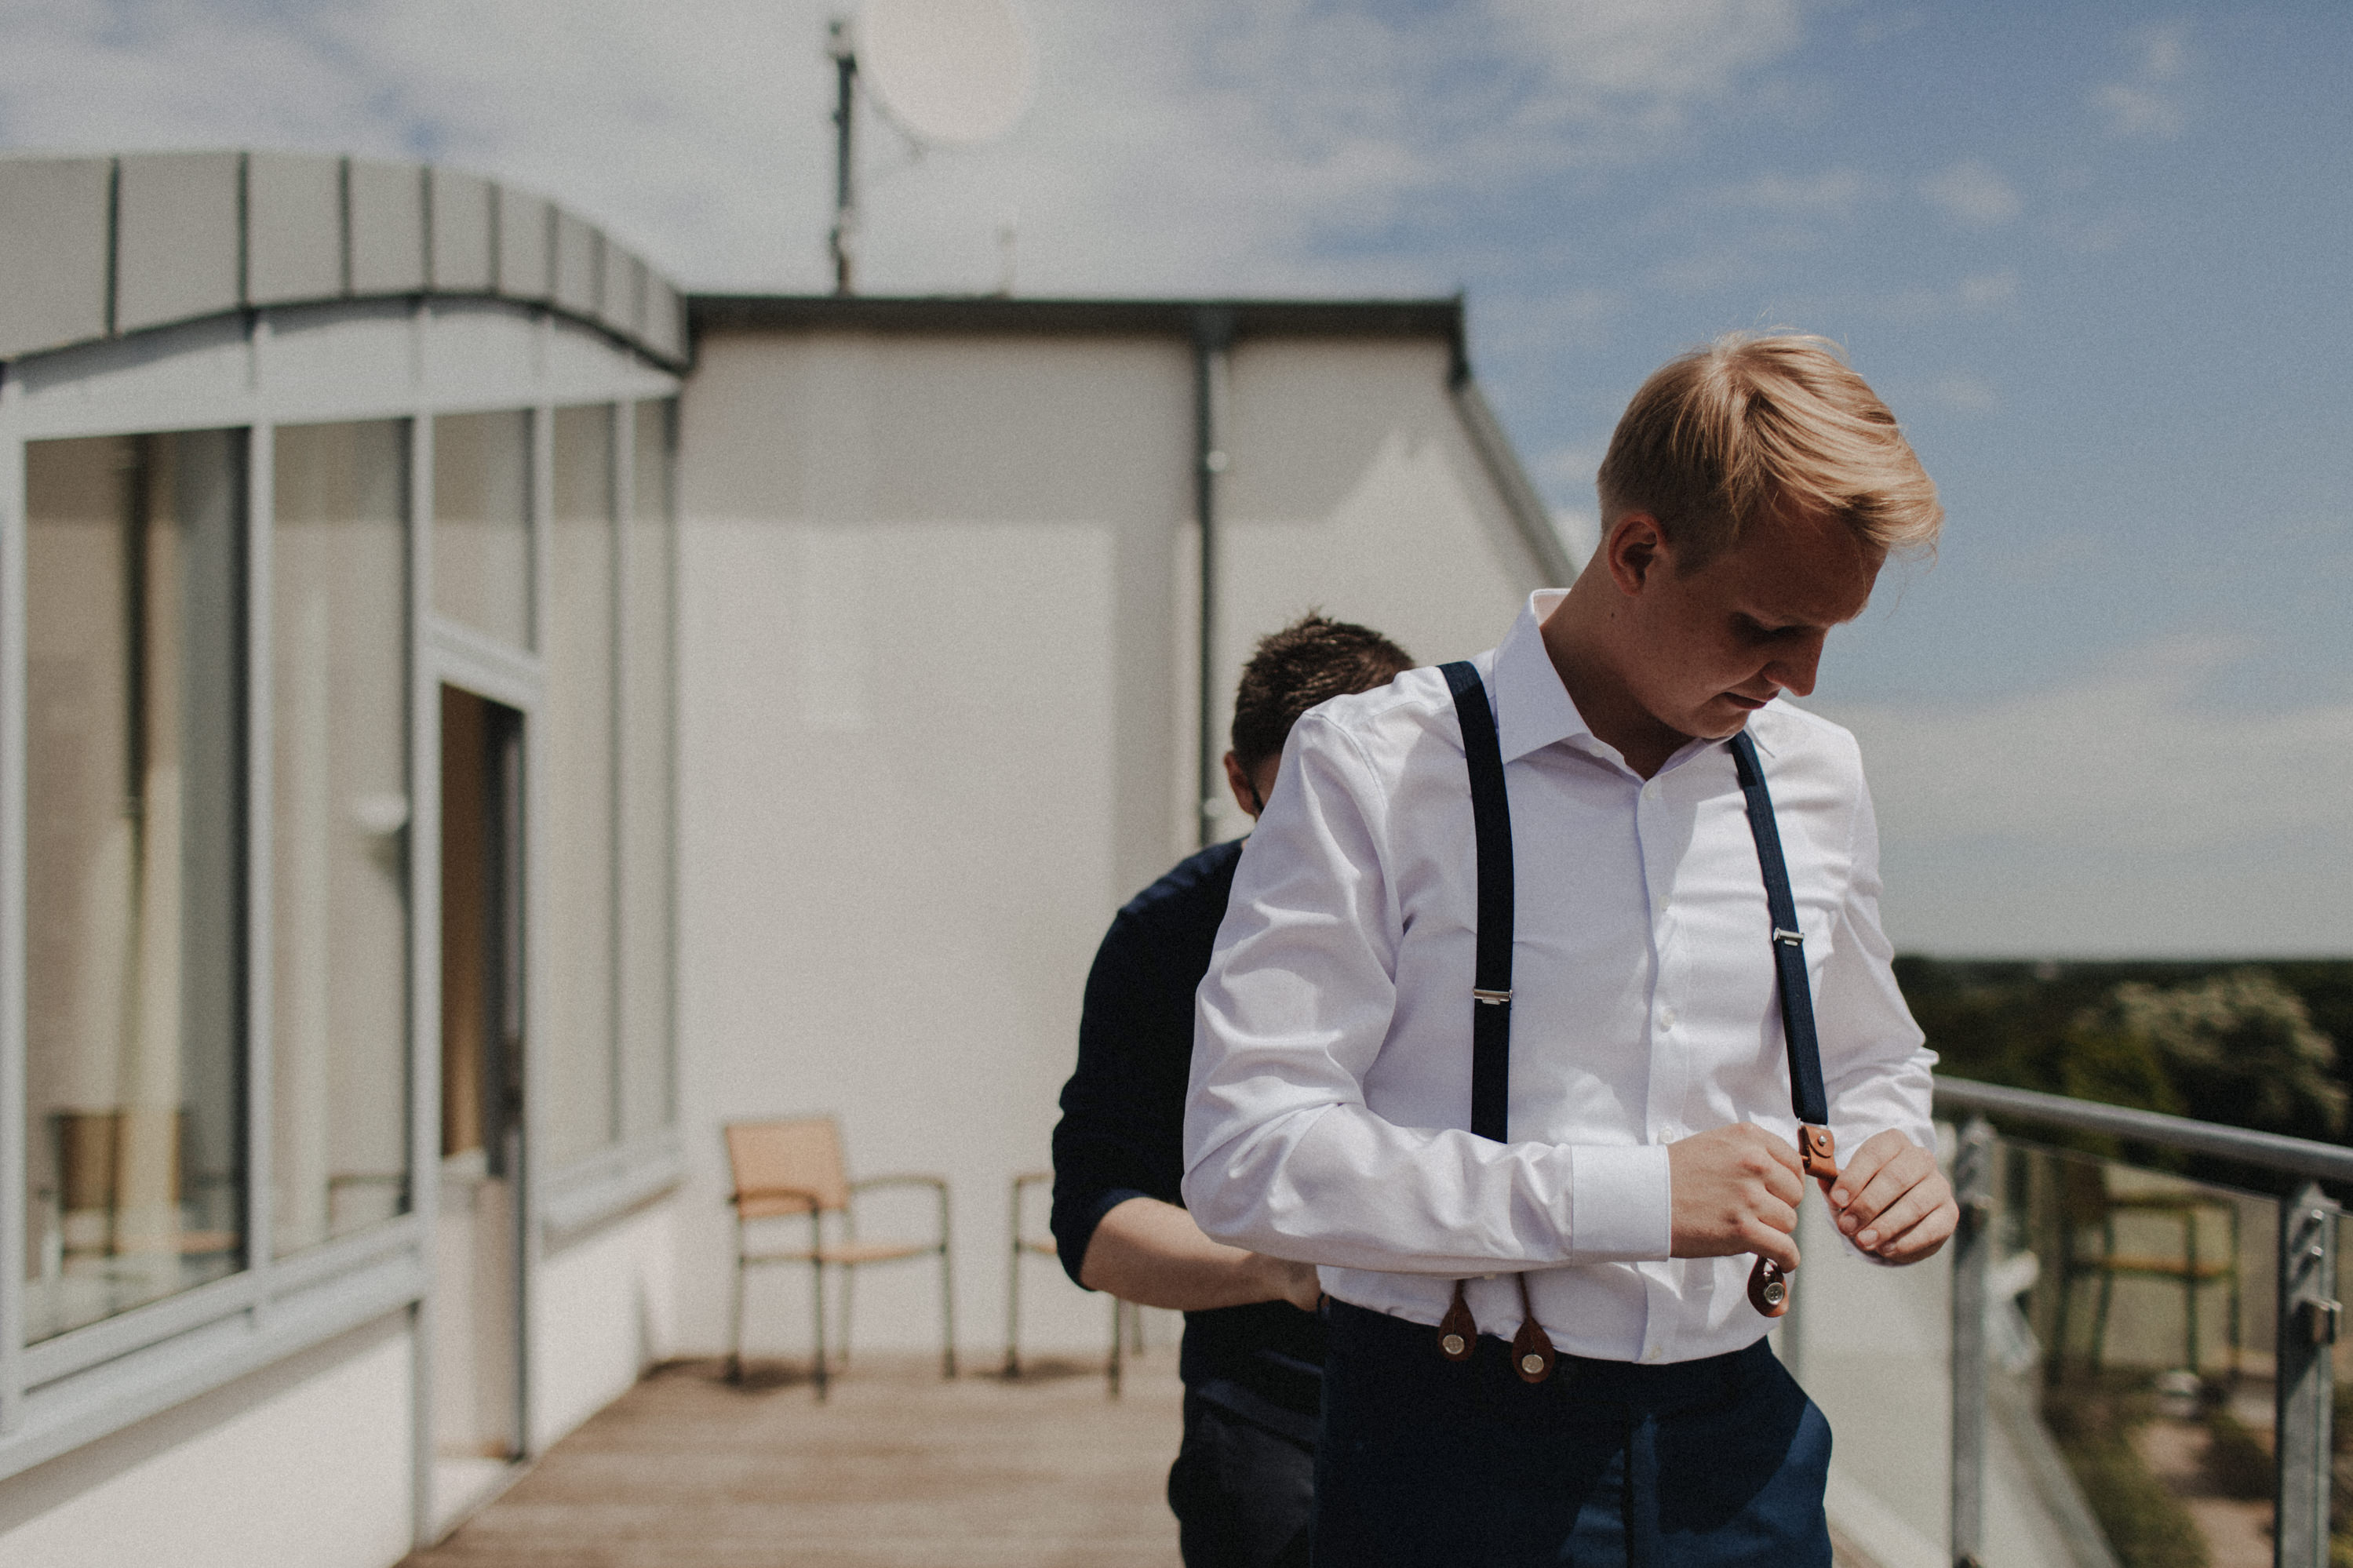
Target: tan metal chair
{"type": "Point", "coordinates": [1125, 1315]}
{"type": "Point", "coordinates": [794, 1167]}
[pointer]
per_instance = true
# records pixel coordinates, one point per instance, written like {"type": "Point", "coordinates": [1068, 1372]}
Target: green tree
{"type": "Point", "coordinates": [2237, 1047]}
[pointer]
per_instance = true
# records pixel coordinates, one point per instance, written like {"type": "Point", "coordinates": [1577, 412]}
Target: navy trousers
{"type": "Point", "coordinates": [1429, 1463]}
{"type": "Point", "coordinates": [1243, 1484]}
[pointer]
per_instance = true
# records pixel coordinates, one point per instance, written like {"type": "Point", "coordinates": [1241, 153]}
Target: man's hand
{"type": "Point", "coordinates": [1296, 1283]}
{"type": "Point", "coordinates": [1735, 1190]}
{"type": "Point", "coordinates": [1150, 1252]}
{"type": "Point", "coordinates": [1892, 1201]}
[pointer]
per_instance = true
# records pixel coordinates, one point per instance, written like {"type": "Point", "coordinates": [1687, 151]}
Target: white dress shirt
{"type": "Point", "coordinates": [1331, 1087]}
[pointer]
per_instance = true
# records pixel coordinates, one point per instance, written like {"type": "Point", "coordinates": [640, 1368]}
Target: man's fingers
{"type": "Point", "coordinates": [1864, 1164]}
{"type": "Point", "coordinates": [1767, 1241]}
{"type": "Point", "coordinates": [1923, 1240]}
{"type": "Point", "coordinates": [1898, 1217]}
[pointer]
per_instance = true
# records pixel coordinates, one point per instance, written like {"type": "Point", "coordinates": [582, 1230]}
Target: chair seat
{"type": "Point", "coordinates": [839, 1253]}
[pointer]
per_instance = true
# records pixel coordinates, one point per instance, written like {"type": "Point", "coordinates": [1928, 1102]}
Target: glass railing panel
{"type": "Point", "coordinates": [2130, 1325]}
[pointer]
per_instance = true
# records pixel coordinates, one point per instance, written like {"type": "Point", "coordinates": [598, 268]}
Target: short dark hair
{"type": "Point", "coordinates": [1309, 661]}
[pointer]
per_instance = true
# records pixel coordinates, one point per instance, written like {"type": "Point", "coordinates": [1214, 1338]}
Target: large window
{"type": "Point", "coordinates": [646, 903]}
{"type": "Point", "coordinates": [134, 1162]}
{"type": "Point", "coordinates": [481, 522]}
{"type": "Point", "coordinates": [339, 833]}
{"type": "Point", "coordinates": [579, 715]}
{"type": "Point", "coordinates": [608, 793]}
{"type": "Point", "coordinates": [143, 771]}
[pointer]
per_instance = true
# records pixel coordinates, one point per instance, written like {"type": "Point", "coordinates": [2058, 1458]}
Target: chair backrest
{"type": "Point", "coordinates": [103, 1156]}
{"type": "Point", "coordinates": [774, 1162]}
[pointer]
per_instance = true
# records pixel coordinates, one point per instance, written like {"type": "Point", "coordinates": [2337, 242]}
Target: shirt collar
{"type": "Point", "coordinates": [1533, 709]}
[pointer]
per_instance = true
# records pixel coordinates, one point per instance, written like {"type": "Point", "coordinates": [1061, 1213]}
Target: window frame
{"type": "Point", "coordinates": [408, 359]}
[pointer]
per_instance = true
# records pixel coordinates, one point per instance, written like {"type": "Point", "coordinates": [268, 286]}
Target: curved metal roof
{"type": "Point", "coordinates": [96, 248]}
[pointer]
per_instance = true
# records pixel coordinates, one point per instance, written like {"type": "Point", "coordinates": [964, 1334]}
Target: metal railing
{"type": "Point", "coordinates": [2306, 1319]}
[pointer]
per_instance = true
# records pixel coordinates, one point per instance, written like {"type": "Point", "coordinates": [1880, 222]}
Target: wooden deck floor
{"type": "Point", "coordinates": [899, 1470]}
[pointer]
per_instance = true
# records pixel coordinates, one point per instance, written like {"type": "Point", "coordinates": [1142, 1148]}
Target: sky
{"type": "Point", "coordinates": [2093, 255]}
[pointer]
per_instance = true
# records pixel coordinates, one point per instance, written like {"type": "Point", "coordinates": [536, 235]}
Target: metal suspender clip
{"type": "Point", "coordinates": [1489, 998]}
{"type": "Point", "coordinates": [1793, 938]}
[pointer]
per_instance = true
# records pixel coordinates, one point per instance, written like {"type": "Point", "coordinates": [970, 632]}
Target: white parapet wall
{"type": "Point", "coordinates": [603, 1310]}
{"type": "Point", "coordinates": [304, 1465]}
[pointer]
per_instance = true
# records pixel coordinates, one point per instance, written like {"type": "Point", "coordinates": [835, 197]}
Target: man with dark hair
{"type": "Point", "coordinates": [1243, 1483]}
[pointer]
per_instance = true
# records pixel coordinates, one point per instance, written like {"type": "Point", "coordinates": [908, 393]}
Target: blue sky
{"type": "Point", "coordinates": [2094, 256]}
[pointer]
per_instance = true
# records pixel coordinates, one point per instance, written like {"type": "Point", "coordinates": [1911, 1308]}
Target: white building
{"type": "Point", "coordinates": [472, 721]}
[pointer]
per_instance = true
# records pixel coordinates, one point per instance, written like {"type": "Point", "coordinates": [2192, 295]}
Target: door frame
{"type": "Point", "coordinates": [450, 655]}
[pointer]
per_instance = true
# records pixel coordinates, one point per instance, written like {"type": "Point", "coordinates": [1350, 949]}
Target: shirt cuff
{"type": "Point", "coordinates": [1620, 1204]}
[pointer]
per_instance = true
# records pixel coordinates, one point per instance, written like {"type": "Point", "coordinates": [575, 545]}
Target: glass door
{"type": "Point", "coordinates": [477, 1335]}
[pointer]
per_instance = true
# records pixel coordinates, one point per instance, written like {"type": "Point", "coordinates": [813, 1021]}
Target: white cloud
{"type": "Point", "coordinates": [1967, 393]}
{"type": "Point", "coordinates": [1831, 192]}
{"type": "Point", "coordinates": [1193, 145]}
{"type": "Point", "coordinates": [2124, 811]}
{"type": "Point", "coordinates": [1978, 292]}
{"type": "Point", "coordinates": [1989, 291]}
{"type": "Point", "coordinates": [1970, 192]}
{"type": "Point", "coordinates": [1664, 53]}
{"type": "Point", "coordinates": [2150, 101]}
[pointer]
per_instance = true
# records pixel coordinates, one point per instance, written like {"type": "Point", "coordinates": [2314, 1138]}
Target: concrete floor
{"type": "Point", "coordinates": [899, 1470]}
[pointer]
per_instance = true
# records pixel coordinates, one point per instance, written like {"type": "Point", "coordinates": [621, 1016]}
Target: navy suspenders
{"type": "Point", "coordinates": [1491, 1008]}
{"type": "Point", "coordinates": [1491, 987]}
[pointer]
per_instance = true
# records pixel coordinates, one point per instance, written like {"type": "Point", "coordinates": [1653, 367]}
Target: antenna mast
{"type": "Point", "coordinates": [845, 191]}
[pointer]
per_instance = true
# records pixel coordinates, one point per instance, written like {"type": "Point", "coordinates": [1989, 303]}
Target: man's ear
{"type": "Point", "coordinates": [1245, 791]}
{"type": "Point", "coordinates": [1636, 552]}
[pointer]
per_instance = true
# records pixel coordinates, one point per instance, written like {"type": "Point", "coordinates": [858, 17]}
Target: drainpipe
{"type": "Point", "coordinates": [1213, 332]}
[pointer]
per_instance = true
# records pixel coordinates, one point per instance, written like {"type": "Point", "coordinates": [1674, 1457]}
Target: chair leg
{"type": "Point", "coordinates": [816, 1362]}
{"type": "Point", "coordinates": [1013, 1312]}
{"type": "Point", "coordinates": [735, 1327]}
{"type": "Point", "coordinates": [2190, 1280]}
{"type": "Point", "coordinates": [948, 1314]}
{"type": "Point", "coordinates": [1013, 1291]}
{"type": "Point", "coordinates": [2100, 1316]}
{"type": "Point", "coordinates": [1111, 1367]}
{"type": "Point", "coordinates": [2234, 1278]}
{"type": "Point", "coordinates": [848, 1293]}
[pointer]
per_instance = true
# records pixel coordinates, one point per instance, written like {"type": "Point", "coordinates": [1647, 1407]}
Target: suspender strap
{"type": "Point", "coordinates": [1807, 1095]}
{"type": "Point", "coordinates": [1491, 816]}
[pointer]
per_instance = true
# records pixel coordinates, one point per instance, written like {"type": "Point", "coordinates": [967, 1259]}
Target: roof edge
{"type": "Point", "coordinates": [113, 245]}
{"type": "Point", "coordinates": [1439, 318]}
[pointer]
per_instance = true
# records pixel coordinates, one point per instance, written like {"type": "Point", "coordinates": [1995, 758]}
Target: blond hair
{"type": "Point", "coordinates": [1751, 425]}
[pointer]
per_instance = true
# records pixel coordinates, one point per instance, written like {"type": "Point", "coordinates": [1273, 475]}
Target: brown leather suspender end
{"type": "Point", "coordinates": [1457, 1332]}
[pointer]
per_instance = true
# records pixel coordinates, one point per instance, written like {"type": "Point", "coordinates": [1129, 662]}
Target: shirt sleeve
{"type": "Point", "coordinates": [1117, 1138]}
{"type": "Point", "coordinates": [1281, 1152]}
{"type": "Point", "coordinates": [1876, 1064]}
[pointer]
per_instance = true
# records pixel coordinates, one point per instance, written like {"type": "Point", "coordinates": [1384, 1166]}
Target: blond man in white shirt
{"type": "Point", "coordinates": [1749, 497]}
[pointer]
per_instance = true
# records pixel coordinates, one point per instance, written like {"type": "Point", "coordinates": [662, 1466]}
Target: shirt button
{"type": "Point", "coordinates": [1652, 1354]}
{"type": "Point", "coordinates": [1666, 1017]}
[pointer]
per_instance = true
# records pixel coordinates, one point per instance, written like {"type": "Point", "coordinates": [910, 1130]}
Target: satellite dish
{"type": "Point", "coordinates": [950, 72]}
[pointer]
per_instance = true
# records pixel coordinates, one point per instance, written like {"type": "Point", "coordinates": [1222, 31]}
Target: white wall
{"type": "Point", "coordinates": [1351, 487]}
{"type": "Point", "coordinates": [603, 1308]}
{"type": "Point", "coordinates": [305, 1465]}
{"type": "Point", "coordinates": [936, 706]}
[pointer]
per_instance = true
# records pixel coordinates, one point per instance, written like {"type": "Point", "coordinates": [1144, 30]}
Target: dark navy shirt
{"type": "Point", "coordinates": [1123, 1128]}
